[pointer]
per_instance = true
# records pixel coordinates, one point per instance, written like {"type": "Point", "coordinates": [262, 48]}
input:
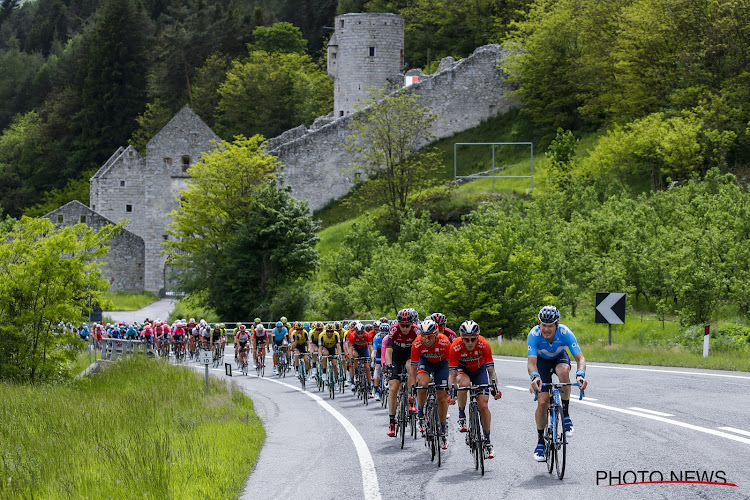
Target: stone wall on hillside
{"type": "Point", "coordinates": [462, 93]}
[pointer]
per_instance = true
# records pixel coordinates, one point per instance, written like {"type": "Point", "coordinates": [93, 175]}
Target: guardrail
{"type": "Point", "coordinates": [112, 349]}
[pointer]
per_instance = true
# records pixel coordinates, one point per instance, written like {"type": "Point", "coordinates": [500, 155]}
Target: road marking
{"type": "Point", "coordinates": [738, 431]}
{"type": "Point", "coordinates": [678, 372]}
{"type": "Point", "coordinates": [366, 463]}
{"type": "Point", "coordinates": [652, 412]}
{"type": "Point", "coordinates": [668, 421]}
{"type": "Point", "coordinates": [517, 388]}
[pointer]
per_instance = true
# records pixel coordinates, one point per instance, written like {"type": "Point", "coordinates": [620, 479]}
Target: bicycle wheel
{"type": "Point", "coordinates": [549, 442]}
{"type": "Point", "coordinates": [402, 417]}
{"type": "Point", "coordinates": [436, 427]}
{"type": "Point", "coordinates": [262, 362]}
{"type": "Point", "coordinates": [331, 382]}
{"type": "Point", "coordinates": [431, 431]}
{"type": "Point", "coordinates": [560, 446]}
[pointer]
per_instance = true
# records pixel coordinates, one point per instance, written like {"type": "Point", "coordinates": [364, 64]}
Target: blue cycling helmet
{"type": "Point", "coordinates": [384, 327]}
{"type": "Point", "coordinates": [549, 315]}
{"type": "Point", "coordinates": [279, 324]}
{"type": "Point", "coordinates": [306, 326]}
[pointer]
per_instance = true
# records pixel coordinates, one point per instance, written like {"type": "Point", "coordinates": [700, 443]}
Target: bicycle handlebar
{"type": "Point", "coordinates": [559, 385]}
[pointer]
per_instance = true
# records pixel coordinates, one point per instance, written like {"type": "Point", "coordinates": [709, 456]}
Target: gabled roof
{"type": "Point", "coordinates": [183, 116]}
{"type": "Point", "coordinates": [121, 151]}
{"type": "Point", "coordinates": [85, 210]}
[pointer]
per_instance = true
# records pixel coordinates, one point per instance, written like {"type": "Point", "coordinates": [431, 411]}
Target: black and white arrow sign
{"type": "Point", "coordinates": [610, 308]}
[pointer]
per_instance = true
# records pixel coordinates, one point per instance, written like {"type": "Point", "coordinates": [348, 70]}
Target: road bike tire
{"type": "Point", "coordinates": [331, 382]}
{"type": "Point", "coordinates": [302, 373]}
{"type": "Point", "coordinates": [560, 447]}
{"type": "Point", "coordinates": [401, 420]}
{"type": "Point", "coordinates": [549, 443]}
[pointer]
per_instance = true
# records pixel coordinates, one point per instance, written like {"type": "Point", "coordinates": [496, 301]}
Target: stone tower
{"type": "Point", "coordinates": [365, 50]}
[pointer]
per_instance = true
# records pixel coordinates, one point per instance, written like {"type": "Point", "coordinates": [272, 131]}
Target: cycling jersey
{"type": "Point", "coordinates": [470, 361]}
{"type": "Point", "coordinates": [450, 334]}
{"type": "Point", "coordinates": [539, 346]}
{"type": "Point", "coordinates": [279, 334]}
{"type": "Point", "coordinates": [260, 337]}
{"type": "Point", "coordinates": [397, 338]}
{"type": "Point", "coordinates": [300, 336]}
{"type": "Point", "coordinates": [243, 337]}
{"type": "Point", "coordinates": [357, 341]}
{"type": "Point", "coordinates": [377, 345]}
{"type": "Point", "coordinates": [434, 354]}
{"type": "Point", "coordinates": [329, 341]}
{"type": "Point", "coordinates": [315, 335]}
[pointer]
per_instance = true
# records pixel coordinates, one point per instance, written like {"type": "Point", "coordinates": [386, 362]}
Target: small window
{"type": "Point", "coordinates": [341, 23]}
{"type": "Point", "coordinates": [93, 207]}
{"type": "Point", "coordinates": [372, 51]}
{"type": "Point", "coordinates": [357, 176]}
{"type": "Point", "coordinates": [341, 113]}
{"type": "Point", "coordinates": [185, 163]}
{"type": "Point", "coordinates": [83, 219]}
{"type": "Point", "coordinates": [167, 162]}
{"type": "Point", "coordinates": [130, 153]}
{"type": "Point", "coordinates": [122, 183]}
{"type": "Point", "coordinates": [128, 208]}
{"type": "Point", "coordinates": [164, 236]}
{"type": "Point", "coordinates": [333, 55]}
{"type": "Point", "coordinates": [59, 218]}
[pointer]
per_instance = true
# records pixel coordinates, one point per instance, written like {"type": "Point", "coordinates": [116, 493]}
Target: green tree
{"type": "Point", "coordinates": [281, 37]}
{"type": "Point", "coordinates": [387, 138]}
{"type": "Point", "coordinates": [266, 257]}
{"type": "Point", "coordinates": [269, 93]}
{"type": "Point", "coordinates": [47, 277]}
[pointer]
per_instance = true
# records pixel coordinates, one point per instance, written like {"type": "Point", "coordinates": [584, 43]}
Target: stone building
{"type": "Point", "coordinates": [143, 190]}
{"type": "Point", "coordinates": [125, 263]}
{"type": "Point", "coordinates": [365, 50]}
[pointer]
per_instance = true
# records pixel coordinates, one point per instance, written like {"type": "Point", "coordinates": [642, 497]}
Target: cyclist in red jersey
{"type": "Point", "coordinates": [470, 363]}
{"type": "Point", "coordinates": [429, 355]}
{"type": "Point", "coordinates": [397, 355]}
{"type": "Point", "coordinates": [441, 321]}
{"type": "Point", "coordinates": [360, 345]}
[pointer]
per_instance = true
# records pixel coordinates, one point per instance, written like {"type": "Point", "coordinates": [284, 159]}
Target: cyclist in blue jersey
{"type": "Point", "coordinates": [280, 335]}
{"type": "Point", "coordinates": [547, 343]}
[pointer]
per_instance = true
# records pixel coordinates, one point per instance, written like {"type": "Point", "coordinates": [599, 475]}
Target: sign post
{"type": "Point", "coordinates": [610, 309]}
{"type": "Point", "coordinates": [706, 338]}
{"type": "Point", "coordinates": [206, 360]}
{"type": "Point", "coordinates": [499, 336]}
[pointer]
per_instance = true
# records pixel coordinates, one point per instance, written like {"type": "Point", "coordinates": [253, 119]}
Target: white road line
{"type": "Point", "coordinates": [667, 421]}
{"type": "Point", "coordinates": [517, 388]}
{"type": "Point", "coordinates": [678, 372]}
{"type": "Point", "coordinates": [738, 431]}
{"type": "Point", "coordinates": [652, 412]}
{"type": "Point", "coordinates": [366, 463]}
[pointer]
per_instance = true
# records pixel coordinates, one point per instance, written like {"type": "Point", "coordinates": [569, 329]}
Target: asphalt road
{"type": "Point", "coordinates": [657, 423]}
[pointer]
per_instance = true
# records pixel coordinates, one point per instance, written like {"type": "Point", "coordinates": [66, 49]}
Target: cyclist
{"type": "Point", "coordinates": [242, 338]}
{"type": "Point", "coordinates": [377, 347]}
{"type": "Point", "coordinates": [260, 341]}
{"type": "Point", "coordinates": [470, 363]}
{"type": "Point", "coordinates": [84, 332]}
{"type": "Point", "coordinates": [429, 356]}
{"type": "Point", "coordinates": [132, 332]}
{"type": "Point", "coordinates": [280, 335]}
{"type": "Point", "coordinates": [546, 355]}
{"type": "Point", "coordinates": [216, 337]}
{"type": "Point", "coordinates": [285, 323]}
{"type": "Point", "coordinates": [300, 340]}
{"type": "Point", "coordinates": [148, 335]}
{"type": "Point", "coordinates": [314, 335]}
{"type": "Point", "coordinates": [359, 344]}
{"type": "Point", "coordinates": [329, 344]}
{"type": "Point", "coordinates": [441, 321]}
{"type": "Point", "coordinates": [398, 344]}
{"type": "Point", "coordinates": [178, 337]}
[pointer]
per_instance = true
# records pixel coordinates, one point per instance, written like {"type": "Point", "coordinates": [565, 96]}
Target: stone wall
{"type": "Point", "coordinates": [462, 93]}
{"type": "Point", "coordinates": [124, 264]}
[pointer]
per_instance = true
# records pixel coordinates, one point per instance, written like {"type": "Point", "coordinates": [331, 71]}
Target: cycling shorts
{"type": "Point", "coordinates": [301, 348]}
{"type": "Point", "coordinates": [260, 341]}
{"type": "Point", "coordinates": [243, 345]}
{"type": "Point", "coordinates": [546, 367]}
{"type": "Point", "coordinates": [478, 377]}
{"type": "Point", "coordinates": [362, 352]}
{"type": "Point", "coordinates": [401, 358]}
{"type": "Point", "coordinates": [177, 338]}
{"type": "Point", "coordinates": [439, 370]}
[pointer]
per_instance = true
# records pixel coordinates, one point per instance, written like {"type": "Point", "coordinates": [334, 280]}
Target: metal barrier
{"type": "Point", "coordinates": [112, 349]}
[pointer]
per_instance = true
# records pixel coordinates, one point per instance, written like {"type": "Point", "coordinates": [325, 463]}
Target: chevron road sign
{"type": "Point", "coordinates": [610, 308]}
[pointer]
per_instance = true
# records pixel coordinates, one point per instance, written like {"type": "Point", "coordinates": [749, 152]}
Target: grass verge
{"type": "Point", "coordinates": [641, 355]}
{"type": "Point", "coordinates": [142, 429]}
{"type": "Point", "coordinates": [130, 301]}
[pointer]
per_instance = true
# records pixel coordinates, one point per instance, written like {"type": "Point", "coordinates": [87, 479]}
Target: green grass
{"type": "Point", "coordinates": [642, 340]}
{"type": "Point", "coordinates": [130, 301]}
{"type": "Point", "coordinates": [190, 307]}
{"type": "Point", "coordinates": [142, 429]}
